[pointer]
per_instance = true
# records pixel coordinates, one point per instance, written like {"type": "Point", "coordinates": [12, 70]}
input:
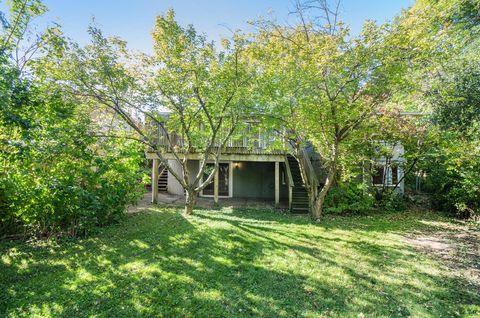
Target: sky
{"type": "Point", "coordinates": [133, 20]}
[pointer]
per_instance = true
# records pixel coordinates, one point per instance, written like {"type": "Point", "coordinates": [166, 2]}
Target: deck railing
{"type": "Point", "coordinates": [247, 142]}
{"type": "Point", "coordinates": [291, 184]}
{"type": "Point", "coordinates": [310, 174]}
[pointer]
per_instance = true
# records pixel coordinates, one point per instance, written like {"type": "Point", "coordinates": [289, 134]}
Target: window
{"type": "Point", "coordinates": [378, 174]}
{"type": "Point", "coordinates": [394, 174]}
{"type": "Point", "coordinates": [385, 176]}
{"type": "Point", "coordinates": [223, 180]}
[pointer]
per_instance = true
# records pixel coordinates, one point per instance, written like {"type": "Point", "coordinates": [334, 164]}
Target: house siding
{"type": "Point", "coordinates": [257, 180]}
{"type": "Point", "coordinates": [251, 179]}
{"type": "Point", "coordinates": [174, 186]}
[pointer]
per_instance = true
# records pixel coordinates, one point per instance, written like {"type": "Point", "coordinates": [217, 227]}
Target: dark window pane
{"type": "Point", "coordinates": [208, 190]}
{"type": "Point", "coordinates": [377, 177]}
{"type": "Point", "coordinates": [223, 180]}
{"type": "Point", "coordinates": [394, 175]}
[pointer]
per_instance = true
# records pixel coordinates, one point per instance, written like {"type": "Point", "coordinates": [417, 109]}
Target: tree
{"type": "Point", "coordinates": [444, 80]}
{"type": "Point", "coordinates": [392, 129]}
{"type": "Point", "coordinates": [432, 35]}
{"type": "Point", "coordinates": [192, 93]}
{"type": "Point", "coordinates": [54, 176]}
{"type": "Point", "coordinates": [323, 84]}
{"type": "Point", "coordinates": [455, 94]}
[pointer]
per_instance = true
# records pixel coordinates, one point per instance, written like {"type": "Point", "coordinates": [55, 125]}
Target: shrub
{"type": "Point", "coordinates": [453, 176]}
{"type": "Point", "coordinates": [349, 198]}
{"type": "Point", "coordinates": [390, 201]}
{"type": "Point", "coordinates": [55, 176]}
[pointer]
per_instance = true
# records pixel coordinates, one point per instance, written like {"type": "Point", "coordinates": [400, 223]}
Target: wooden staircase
{"type": "Point", "coordinates": [299, 193]}
{"type": "Point", "coordinates": [162, 179]}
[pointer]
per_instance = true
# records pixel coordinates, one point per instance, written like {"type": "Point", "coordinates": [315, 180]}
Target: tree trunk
{"type": "Point", "coordinates": [190, 200]}
{"type": "Point", "coordinates": [317, 206]}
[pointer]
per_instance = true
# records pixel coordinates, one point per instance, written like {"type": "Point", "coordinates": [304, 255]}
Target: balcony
{"type": "Point", "coordinates": [248, 142]}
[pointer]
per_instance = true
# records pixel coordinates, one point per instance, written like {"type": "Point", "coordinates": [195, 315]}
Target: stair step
{"type": "Point", "coordinates": [163, 180]}
{"type": "Point", "coordinates": [300, 211]}
{"type": "Point", "coordinates": [300, 200]}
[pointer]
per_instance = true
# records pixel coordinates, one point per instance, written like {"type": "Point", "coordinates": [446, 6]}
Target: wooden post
{"type": "Point", "coordinates": [155, 181]}
{"type": "Point", "coordinates": [215, 187]}
{"type": "Point", "coordinates": [277, 184]}
{"type": "Point", "coordinates": [290, 190]}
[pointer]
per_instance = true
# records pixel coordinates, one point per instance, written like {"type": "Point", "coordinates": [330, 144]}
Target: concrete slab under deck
{"type": "Point", "coordinates": [167, 199]}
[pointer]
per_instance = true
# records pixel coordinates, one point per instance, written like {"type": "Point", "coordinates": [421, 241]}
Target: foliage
{"type": "Point", "coordinates": [239, 263]}
{"type": "Point", "coordinates": [390, 201]}
{"type": "Point", "coordinates": [329, 82]}
{"type": "Point", "coordinates": [189, 94]}
{"type": "Point", "coordinates": [454, 166]}
{"type": "Point", "coordinates": [54, 175]}
{"type": "Point", "coordinates": [349, 198]}
{"type": "Point", "coordinates": [431, 34]}
{"type": "Point", "coordinates": [452, 173]}
{"type": "Point", "coordinates": [446, 36]}
{"type": "Point", "coordinates": [455, 95]}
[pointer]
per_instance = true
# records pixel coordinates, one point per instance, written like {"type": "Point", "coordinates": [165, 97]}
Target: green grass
{"type": "Point", "coordinates": [235, 263]}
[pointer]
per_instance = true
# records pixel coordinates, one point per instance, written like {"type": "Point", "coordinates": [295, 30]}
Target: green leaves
{"type": "Point", "coordinates": [455, 95]}
{"type": "Point", "coordinates": [197, 84]}
{"type": "Point", "coordinates": [54, 175]}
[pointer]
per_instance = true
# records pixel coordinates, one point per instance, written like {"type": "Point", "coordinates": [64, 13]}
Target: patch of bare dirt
{"type": "Point", "coordinates": [456, 244]}
{"type": "Point", "coordinates": [143, 204]}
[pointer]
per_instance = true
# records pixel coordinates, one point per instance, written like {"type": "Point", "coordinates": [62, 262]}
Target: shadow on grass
{"type": "Point", "coordinates": [231, 263]}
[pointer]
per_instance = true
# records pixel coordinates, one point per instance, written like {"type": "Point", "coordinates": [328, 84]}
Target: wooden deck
{"type": "Point", "coordinates": [262, 156]}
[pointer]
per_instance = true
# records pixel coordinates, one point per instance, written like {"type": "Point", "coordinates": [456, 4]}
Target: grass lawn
{"type": "Point", "coordinates": [238, 263]}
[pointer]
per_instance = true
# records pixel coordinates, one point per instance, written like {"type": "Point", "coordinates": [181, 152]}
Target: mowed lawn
{"type": "Point", "coordinates": [237, 263]}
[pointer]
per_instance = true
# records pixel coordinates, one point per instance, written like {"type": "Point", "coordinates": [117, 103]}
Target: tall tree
{"type": "Point", "coordinates": [448, 34]}
{"type": "Point", "coordinates": [323, 84]}
{"type": "Point", "coordinates": [53, 175]}
{"type": "Point", "coordinates": [192, 94]}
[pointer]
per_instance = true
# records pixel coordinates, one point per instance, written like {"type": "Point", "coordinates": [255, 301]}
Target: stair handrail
{"type": "Point", "coordinates": [162, 171]}
{"type": "Point", "coordinates": [290, 182]}
{"type": "Point", "coordinates": [289, 173]}
{"type": "Point", "coordinates": [310, 172]}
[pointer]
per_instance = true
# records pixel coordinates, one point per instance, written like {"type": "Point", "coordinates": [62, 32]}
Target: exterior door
{"type": "Point", "coordinates": [223, 180]}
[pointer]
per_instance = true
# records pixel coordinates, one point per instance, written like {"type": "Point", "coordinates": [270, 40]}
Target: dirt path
{"type": "Point", "coordinates": [143, 204]}
{"type": "Point", "coordinates": [456, 244]}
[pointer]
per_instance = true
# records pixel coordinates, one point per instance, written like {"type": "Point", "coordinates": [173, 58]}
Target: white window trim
{"type": "Point", "coordinates": [388, 181]}
{"type": "Point", "coordinates": [230, 182]}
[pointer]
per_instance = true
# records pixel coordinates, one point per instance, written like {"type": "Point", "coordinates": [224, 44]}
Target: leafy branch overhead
{"type": "Point", "coordinates": [192, 95]}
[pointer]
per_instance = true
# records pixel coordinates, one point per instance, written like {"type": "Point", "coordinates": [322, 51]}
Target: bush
{"type": "Point", "coordinates": [453, 176]}
{"type": "Point", "coordinates": [55, 177]}
{"type": "Point", "coordinates": [390, 201]}
{"type": "Point", "coordinates": [65, 197]}
{"type": "Point", "coordinates": [349, 198]}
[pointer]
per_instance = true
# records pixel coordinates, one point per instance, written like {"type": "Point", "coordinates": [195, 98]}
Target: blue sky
{"type": "Point", "coordinates": [133, 20]}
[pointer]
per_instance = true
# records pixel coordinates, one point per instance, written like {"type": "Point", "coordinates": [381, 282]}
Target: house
{"type": "Point", "coordinates": [388, 170]}
{"type": "Point", "coordinates": [250, 167]}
